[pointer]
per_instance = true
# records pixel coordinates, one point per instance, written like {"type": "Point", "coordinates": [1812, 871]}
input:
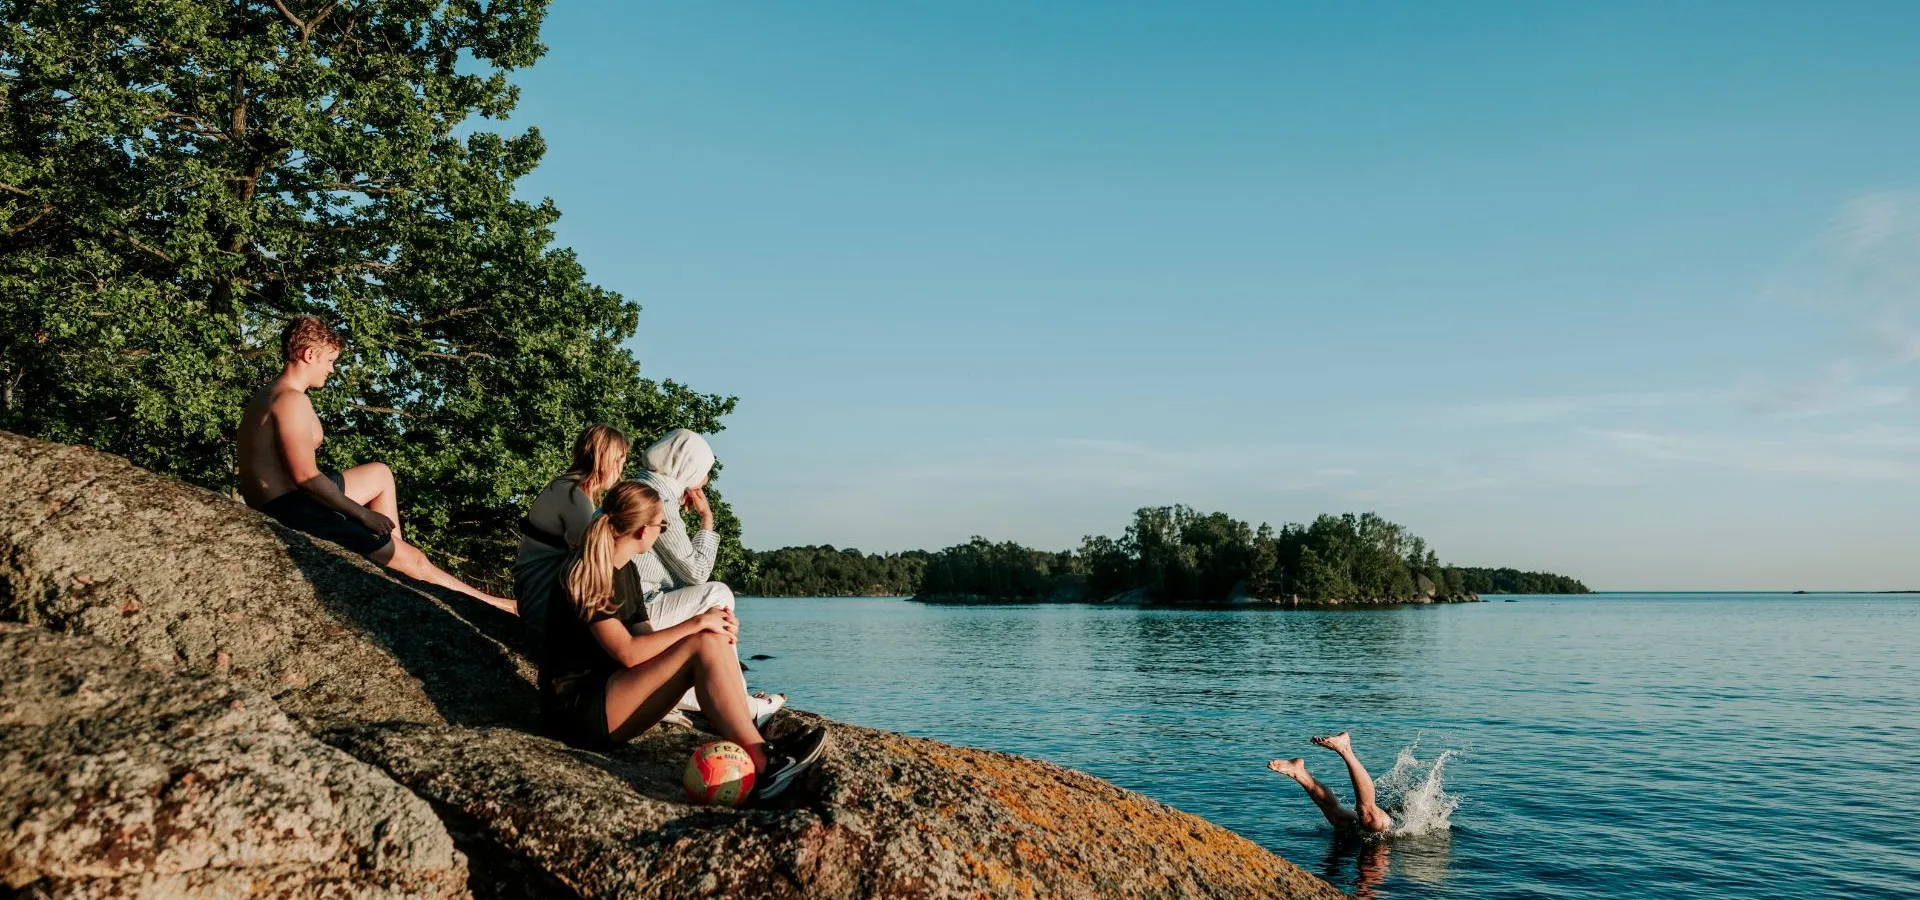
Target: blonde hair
{"type": "Point", "coordinates": [592, 450]}
{"type": "Point", "coordinates": [628, 507]}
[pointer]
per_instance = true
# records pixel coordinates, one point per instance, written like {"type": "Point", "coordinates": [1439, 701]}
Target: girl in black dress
{"type": "Point", "coordinates": [600, 684]}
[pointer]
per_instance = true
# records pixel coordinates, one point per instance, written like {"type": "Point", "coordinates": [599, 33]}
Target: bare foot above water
{"type": "Point", "coordinates": [1338, 743]}
{"type": "Point", "coordinates": [1295, 768]}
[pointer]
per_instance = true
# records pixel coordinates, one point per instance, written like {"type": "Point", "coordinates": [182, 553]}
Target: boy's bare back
{"type": "Point", "coordinates": [276, 415]}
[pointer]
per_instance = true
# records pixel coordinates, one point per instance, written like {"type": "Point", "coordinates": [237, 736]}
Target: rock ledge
{"type": "Point", "coordinates": [198, 702]}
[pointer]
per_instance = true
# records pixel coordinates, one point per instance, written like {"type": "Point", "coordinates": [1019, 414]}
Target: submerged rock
{"type": "Point", "coordinates": [146, 752]}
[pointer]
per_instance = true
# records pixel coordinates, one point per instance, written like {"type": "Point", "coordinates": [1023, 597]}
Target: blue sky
{"type": "Point", "coordinates": [1625, 291]}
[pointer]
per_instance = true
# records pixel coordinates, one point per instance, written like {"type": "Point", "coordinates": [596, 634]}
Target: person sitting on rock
{"type": "Point", "coordinates": [676, 575]}
{"type": "Point", "coordinates": [601, 684]}
{"type": "Point", "coordinates": [357, 509]}
{"type": "Point", "coordinates": [552, 528]}
{"type": "Point", "coordinates": [1366, 818]}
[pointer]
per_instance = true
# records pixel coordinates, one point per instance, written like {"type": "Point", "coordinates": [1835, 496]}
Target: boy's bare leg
{"type": "Point", "coordinates": [1369, 813]}
{"type": "Point", "coordinates": [1296, 769]}
{"type": "Point", "coordinates": [371, 486]}
{"type": "Point", "coordinates": [407, 559]}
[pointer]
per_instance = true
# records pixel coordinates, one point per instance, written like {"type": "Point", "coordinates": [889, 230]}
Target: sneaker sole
{"type": "Point", "coordinates": [778, 785]}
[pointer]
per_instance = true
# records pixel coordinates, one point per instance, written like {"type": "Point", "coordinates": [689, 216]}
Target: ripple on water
{"type": "Point", "coordinates": [1711, 746]}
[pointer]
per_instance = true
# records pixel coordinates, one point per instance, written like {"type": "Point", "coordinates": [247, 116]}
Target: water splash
{"type": "Point", "coordinates": [1413, 791]}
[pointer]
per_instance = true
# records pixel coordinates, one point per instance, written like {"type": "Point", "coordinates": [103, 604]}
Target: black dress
{"type": "Point", "coordinates": [574, 668]}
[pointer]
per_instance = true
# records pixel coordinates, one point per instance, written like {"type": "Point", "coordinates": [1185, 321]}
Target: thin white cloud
{"type": "Point", "coordinates": [1866, 267]}
{"type": "Point", "coordinates": [1829, 457]}
{"type": "Point", "coordinates": [1835, 389]}
{"type": "Point", "coordinates": [1528, 410]}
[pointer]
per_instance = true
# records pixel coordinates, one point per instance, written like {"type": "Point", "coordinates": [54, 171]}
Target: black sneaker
{"type": "Point", "coordinates": [787, 759]}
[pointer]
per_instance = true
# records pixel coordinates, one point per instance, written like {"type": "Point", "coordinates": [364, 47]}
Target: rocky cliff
{"type": "Point", "coordinates": [197, 702]}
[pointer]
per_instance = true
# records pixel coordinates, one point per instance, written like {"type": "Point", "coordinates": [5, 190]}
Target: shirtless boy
{"type": "Point", "coordinates": [1365, 818]}
{"type": "Point", "coordinates": [357, 509]}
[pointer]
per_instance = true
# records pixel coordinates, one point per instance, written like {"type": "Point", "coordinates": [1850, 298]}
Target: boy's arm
{"type": "Point", "coordinates": [298, 430]}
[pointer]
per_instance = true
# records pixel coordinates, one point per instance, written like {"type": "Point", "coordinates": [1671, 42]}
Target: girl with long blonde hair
{"type": "Point", "coordinates": [558, 518]}
{"type": "Point", "coordinates": [601, 684]}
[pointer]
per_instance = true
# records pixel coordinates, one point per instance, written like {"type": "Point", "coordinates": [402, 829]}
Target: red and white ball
{"type": "Point", "coordinates": [719, 774]}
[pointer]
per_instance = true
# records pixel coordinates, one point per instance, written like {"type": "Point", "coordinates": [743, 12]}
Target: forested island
{"type": "Point", "coordinates": [1168, 555]}
{"type": "Point", "coordinates": [825, 571]}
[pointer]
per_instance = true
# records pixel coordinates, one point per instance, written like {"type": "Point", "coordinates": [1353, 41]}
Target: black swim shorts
{"type": "Point", "coordinates": [579, 716]}
{"type": "Point", "coordinates": [304, 513]}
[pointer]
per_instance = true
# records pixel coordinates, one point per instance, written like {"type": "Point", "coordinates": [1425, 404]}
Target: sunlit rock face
{"type": "Point", "coordinates": [198, 702]}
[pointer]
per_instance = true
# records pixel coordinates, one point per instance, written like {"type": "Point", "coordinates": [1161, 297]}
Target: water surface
{"type": "Point", "coordinates": [1705, 746]}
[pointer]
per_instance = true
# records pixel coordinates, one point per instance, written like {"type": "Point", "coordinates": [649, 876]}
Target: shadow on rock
{"type": "Point", "coordinates": [455, 647]}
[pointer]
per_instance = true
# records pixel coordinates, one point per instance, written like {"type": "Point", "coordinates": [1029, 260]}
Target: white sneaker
{"type": "Point", "coordinates": [761, 704]}
{"type": "Point", "coordinates": [764, 705]}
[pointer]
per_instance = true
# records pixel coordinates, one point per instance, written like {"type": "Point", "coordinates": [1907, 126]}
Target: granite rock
{"type": "Point", "coordinates": [123, 781]}
{"type": "Point", "coordinates": [189, 623]}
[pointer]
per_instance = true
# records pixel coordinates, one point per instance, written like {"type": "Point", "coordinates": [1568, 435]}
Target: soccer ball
{"type": "Point", "coordinates": [719, 774]}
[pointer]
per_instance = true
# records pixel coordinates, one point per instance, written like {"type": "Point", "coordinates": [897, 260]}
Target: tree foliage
{"type": "Point", "coordinates": [1514, 581]}
{"type": "Point", "coordinates": [178, 177]}
{"type": "Point", "coordinates": [1174, 554]}
{"type": "Point", "coordinates": [1003, 571]}
{"type": "Point", "coordinates": [828, 572]}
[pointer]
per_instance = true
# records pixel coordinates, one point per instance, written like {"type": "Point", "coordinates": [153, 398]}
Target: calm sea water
{"type": "Point", "coordinates": [1663, 745]}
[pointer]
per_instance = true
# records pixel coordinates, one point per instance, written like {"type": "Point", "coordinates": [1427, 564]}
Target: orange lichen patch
{"type": "Point", "coordinates": [1050, 807]}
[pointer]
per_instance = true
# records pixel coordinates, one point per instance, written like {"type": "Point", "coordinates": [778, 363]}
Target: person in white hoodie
{"type": "Point", "coordinates": [676, 574]}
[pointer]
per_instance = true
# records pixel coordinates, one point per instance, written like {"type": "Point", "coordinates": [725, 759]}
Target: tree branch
{"type": "Point", "coordinates": [321, 16]}
{"type": "Point", "coordinates": [385, 410]}
{"type": "Point", "coordinates": [455, 314]}
{"type": "Point", "coordinates": [30, 222]}
{"type": "Point", "coordinates": [359, 188]}
{"type": "Point", "coordinates": [200, 126]}
{"type": "Point", "coordinates": [238, 127]}
{"type": "Point", "coordinates": [296, 20]}
{"type": "Point", "coordinates": [131, 239]}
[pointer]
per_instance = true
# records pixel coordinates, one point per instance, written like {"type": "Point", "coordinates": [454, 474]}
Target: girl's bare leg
{"type": "Point", "coordinates": [639, 697]}
{"type": "Point", "coordinates": [1338, 816]}
{"type": "Point", "coordinates": [1369, 813]}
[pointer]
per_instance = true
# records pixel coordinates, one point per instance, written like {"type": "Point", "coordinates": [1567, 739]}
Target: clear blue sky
{"type": "Point", "coordinates": [1629, 291]}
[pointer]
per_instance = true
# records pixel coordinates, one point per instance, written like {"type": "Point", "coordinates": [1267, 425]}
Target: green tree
{"type": "Point", "coordinates": [178, 177]}
{"type": "Point", "coordinates": [828, 572]}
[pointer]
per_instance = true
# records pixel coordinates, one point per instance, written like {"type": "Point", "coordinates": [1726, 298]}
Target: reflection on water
{"type": "Point", "coordinates": [1423, 858]}
{"type": "Point", "coordinates": [1716, 746]}
{"type": "Point", "coordinates": [1360, 866]}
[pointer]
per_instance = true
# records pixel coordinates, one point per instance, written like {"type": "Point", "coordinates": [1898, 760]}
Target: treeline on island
{"type": "Point", "coordinates": [825, 571]}
{"type": "Point", "coordinates": [1170, 554]}
{"type": "Point", "coordinates": [1514, 581]}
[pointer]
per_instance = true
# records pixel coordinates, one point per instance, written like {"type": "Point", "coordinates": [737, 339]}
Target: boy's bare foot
{"type": "Point", "coordinates": [1338, 743]}
{"type": "Point", "coordinates": [1295, 768]}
